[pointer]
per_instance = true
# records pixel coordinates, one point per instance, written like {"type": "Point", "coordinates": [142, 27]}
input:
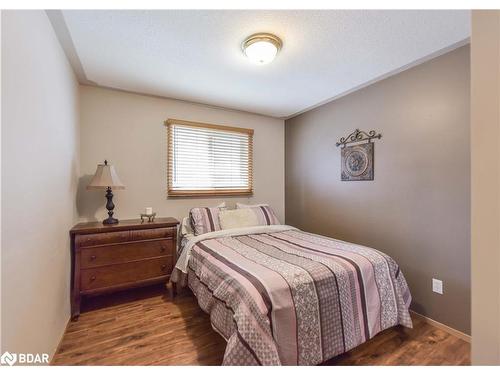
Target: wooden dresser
{"type": "Point", "coordinates": [108, 258]}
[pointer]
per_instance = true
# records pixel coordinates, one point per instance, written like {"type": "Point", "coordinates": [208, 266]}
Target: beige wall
{"type": "Point", "coordinates": [417, 209]}
{"type": "Point", "coordinates": [128, 130]}
{"type": "Point", "coordinates": [485, 150]}
{"type": "Point", "coordinates": [39, 181]}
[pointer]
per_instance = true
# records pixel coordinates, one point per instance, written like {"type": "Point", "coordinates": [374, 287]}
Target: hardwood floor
{"type": "Point", "coordinates": [146, 327]}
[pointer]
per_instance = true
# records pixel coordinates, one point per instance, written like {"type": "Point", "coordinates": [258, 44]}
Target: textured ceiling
{"type": "Point", "coordinates": [196, 56]}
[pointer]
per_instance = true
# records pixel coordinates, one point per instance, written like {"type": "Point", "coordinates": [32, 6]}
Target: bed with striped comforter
{"type": "Point", "coordinates": [280, 296]}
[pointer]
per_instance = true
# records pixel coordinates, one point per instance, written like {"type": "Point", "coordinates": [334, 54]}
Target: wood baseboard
{"type": "Point", "coordinates": [444, 327]}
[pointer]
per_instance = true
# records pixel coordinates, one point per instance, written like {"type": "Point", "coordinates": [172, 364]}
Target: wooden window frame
{"type": "Point", "coordinates": [214, 192]}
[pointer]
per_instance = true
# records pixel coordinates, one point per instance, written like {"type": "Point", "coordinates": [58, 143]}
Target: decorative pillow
{"type": "Point", "coordinates": [264, 213]}
{"type": "Point", "coordinates": [239, 218]}
{"type": "Point", "coordinates": [205, 219]}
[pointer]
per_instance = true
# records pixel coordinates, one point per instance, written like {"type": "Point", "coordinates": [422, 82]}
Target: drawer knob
{"type": "Point", "coordinates": [163, 267]}
{"type": "Point", "coordinates": [92, 257]}
{"type": "Point", "coordinates": [92, 278]}
{"type": "Point", "coordinates": [163, 248]}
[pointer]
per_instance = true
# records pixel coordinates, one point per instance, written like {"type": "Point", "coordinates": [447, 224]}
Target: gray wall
{"type": "Point", "coordinates": [40, 156]}
{"type": "Point", "coordinates": [417, 209]}
{"type": "Point", "coordinates": [485, 194]}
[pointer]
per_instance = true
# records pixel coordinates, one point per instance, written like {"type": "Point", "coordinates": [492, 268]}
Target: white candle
{"type": "Point", "coordinates": [149, 210]}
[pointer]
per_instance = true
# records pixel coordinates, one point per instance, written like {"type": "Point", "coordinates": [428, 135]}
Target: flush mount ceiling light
{"type": "Point", "coordinates": [261, 48]}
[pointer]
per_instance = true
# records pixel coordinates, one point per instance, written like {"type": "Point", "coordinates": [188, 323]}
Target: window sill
{"type": "Point", "coordinates": [208, 193]}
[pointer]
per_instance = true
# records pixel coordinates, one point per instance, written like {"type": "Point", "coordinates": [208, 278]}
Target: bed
{"type": "Point", "coordinates": [281, 296]}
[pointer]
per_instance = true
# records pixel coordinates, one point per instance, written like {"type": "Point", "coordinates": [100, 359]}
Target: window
{"type": "Point", "coordinates": [206, 159]}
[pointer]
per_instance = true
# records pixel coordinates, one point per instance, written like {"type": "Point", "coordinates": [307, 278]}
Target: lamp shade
{"type": "Point", "coordinates": [105, 176]}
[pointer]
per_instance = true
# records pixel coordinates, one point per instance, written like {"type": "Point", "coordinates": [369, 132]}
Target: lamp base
{"type": "Point", "coordinates": [110, 220]}
{"type": "Point", "coordinates": [110, 206]}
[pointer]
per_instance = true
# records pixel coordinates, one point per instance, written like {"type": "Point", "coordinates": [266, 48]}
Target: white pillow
{"type": "Point", "coordinates": [239, 218]}
{"type": "Point", "coordinates": [243, 205]}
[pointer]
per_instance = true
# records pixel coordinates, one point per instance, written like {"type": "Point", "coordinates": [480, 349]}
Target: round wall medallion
{"type": "Point", "coordinates": [356, 161]}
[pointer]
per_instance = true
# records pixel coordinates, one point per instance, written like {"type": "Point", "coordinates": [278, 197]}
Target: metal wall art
{"type": "Point", "coordinates": [357, 160]}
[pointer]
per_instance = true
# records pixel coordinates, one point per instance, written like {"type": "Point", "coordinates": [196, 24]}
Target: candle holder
{"type": "Point", "coordinates": [151, 218]}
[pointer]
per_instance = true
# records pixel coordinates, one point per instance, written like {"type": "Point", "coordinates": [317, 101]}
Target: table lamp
{"type": "Point", "coordinates": [105, 177]}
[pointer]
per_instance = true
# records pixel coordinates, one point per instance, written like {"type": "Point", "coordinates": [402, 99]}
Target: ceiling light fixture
{"type": "Point", "coordinates": [261, 48]}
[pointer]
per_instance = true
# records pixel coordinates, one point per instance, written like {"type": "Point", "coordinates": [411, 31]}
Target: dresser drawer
{"type": "Point", "coordinates": [82, 240]}
{"type": "Point", "coordinates": [125, 252]}
{"type": "Point", "coordinates": [146, 234]}
{"type": "Point", "coordinates": [117, 274]}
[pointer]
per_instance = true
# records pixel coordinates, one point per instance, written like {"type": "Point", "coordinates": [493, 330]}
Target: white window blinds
{"type": "Point", "coordinates": [206, 159]}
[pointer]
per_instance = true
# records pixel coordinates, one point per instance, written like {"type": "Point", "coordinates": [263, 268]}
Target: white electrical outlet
{"type": "Point", "coordinates": [437, 286]}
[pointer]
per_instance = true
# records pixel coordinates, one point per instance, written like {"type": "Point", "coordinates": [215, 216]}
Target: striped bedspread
{"type": "Point", "coordinates": [280, 296]}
